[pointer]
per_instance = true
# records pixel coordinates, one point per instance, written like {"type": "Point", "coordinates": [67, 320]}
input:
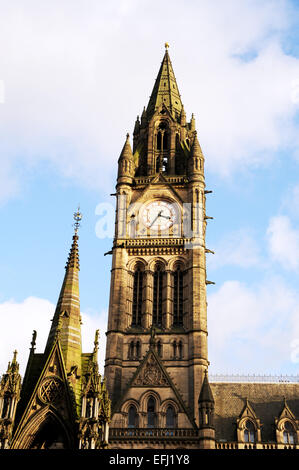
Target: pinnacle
{"type": "Point", "coordinates": [126, 152]}
{"type": "Point", "coordinates": [196, 149]}
{"type": "Point", "coordinates": [73, 258]}
{"type": "Point", "coordinates": [206, 392]}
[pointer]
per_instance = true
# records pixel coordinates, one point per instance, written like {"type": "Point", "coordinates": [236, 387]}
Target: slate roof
{"type": "Point", "coordinates": [266, 399]}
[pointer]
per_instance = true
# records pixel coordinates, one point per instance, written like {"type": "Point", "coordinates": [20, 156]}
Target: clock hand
{"type": "Point", "coordinates": [156, 218]}
{"type": "Point", "coordinates": [165, 216]}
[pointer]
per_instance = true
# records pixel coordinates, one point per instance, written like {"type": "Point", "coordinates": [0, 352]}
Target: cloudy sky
{"type": "Point", "coordinates": [73, 77]}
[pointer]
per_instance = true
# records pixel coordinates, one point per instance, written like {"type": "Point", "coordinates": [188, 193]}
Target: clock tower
{"type": "Point", "coordinates": [156, 353]}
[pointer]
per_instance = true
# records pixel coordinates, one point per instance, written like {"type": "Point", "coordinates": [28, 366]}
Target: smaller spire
{"type": "Point", "coordinates": [96, 345]}
{"type": "Point", "coordinates": [192, 123]}
{"type": "Point", "coordinates": [196, 149]}
{"type": "Point", "coordinates": [126, 153]}
{"type": "Point", "coordinates": [15, 353]}
{"type": "Point", "coordinates": [206, 392]}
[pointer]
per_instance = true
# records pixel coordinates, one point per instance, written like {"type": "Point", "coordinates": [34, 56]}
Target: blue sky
{"type": "Point", "coordinates": [73, 80]}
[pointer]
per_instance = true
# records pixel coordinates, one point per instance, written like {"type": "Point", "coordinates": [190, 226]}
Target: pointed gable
{"type": "Point", "coordinates": [151, 373]}
{"type": "Point", "coordinates": [51, 396]}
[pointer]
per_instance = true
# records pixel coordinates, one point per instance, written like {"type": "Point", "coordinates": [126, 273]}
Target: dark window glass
{"type": "Point", "coordinates": [132, 417]}
{"type": "Point", "coordinates": [137, 297]}
{"type": "Point", "coordinates": [151, 416]}
{"type": "Point", "coordinates": [288, 433]}
{"type": "Point", "coordinates": [249, 432]}
{"type": "Point", "coordinates": [157, 298]}
{"type": "Point", "coordinates": [178, 297]}
{"type": "Point", "coordinates": [170, 417]}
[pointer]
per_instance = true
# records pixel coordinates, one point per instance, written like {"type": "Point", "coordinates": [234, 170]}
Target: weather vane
{"type": "Point", "coordinates": [77, 219]}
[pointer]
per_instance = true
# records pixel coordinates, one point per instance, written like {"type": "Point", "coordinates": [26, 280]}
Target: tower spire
{"type": "Point", "coordinates": [165, 91]}
{"type": "Point", "coordinates": [66, 323]}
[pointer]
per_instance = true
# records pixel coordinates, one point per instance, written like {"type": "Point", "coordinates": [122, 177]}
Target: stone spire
{"type": "Point", "coordinates": [10, 387]}
{"type": "Point", "coordinates": [196, 160]}
{"type": "Point", "coordinates": [165, 90]}
{"type": "Point", "coordinates": [66, 323]}
{"type": "Point", "coordinates": [126, 163]}
{"type": "Point", "coordinates": [205, 395]}
{"type": "Point", "coordinates": [206, 406]}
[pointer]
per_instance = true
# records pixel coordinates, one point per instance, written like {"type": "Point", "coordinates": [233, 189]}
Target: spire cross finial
{"type": "Point", "coordinates": [166, 45]}
{"type": "Point", "coordinates": [77, 219]}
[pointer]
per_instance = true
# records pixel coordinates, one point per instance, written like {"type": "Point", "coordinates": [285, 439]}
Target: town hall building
{"type": "Point", "coordinates": [156, 391]}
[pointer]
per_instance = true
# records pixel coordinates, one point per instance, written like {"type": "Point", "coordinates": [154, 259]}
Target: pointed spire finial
{"type": "Point", "coordinates": [14, 356]}
{"type": "Point", "coordinates": [166, 45]}
{"type": "Point", "coordinates": [77, 219]}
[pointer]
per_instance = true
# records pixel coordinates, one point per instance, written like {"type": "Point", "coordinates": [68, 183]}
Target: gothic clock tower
{"type": "Point", "coordinates": [156, 355]}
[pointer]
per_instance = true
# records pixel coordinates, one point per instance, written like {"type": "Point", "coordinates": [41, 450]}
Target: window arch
{"type": "Point", "coordinates": [170, 417]}
{"type": "Point", "coordinates": [132, 417]}
{"type": "Point", "coordinates": [289, 433]}
{"type": "Point", "coordinates": [178, 299]}
{"type": "Point", "coordinates": [249, 431]}
{"type": "Point", "coordinates": [151, 414]}
{"type": "Point", "coordinates": [137, 297]}
{"type": "Point", "coordinates": [158, 296]}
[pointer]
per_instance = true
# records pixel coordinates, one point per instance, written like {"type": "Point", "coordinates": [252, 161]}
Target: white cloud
{"type": "Point", "coordinates": [75, 79]}
{"type": "Point", "coordinates": [283, 241]}
{"type": "Point", "coordinates": [238, 248]}
{"type": "Point", "coordinates": [252, 328]}
{"type": "Point", "coordinates": [19, 319]}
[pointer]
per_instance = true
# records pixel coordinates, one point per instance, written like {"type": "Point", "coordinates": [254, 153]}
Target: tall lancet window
{"type": "Point", "coordinates": [132, 417]}
{"type": "Point", "coordinates": [158, 296]}
{"type": "Point", "coordinates": [178, 283]}
{"type": "Point", "coordinates": [137, 297]}
{"type": "Point", "coordinates": [151, 415]}
{"type": "Point", "coordinates": [162, 147]}
{"type": "Point", "coordinates": [170, 417]}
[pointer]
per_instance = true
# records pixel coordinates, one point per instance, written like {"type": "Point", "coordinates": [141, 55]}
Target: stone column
{"type": "Point", "coordinates": [168, 314]}
{"type": "Point", "coordinates": [148, 301]}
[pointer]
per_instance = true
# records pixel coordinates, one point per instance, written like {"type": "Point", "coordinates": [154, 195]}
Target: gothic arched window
{"type": "Point", "coordinates": [178, 284]}
{"type": "Point", "coordinates": [170, 417]}
{"type": "Point", "coordinates": [89, 407]}
{"type": "Point", "coordinates": [159, 348]}
{"type": "Point", "coordinates": [180, 350]}
{"type": "Point", "coordinates": [174, 345]}
{"type": "Point", "coordinates": [289, 434]}
{"type": "Point", "coordinates": [131, 350]}
{"type": "Point", "coordinates": [159, 140]}
{"type": "Point", "coordinates": [249, 432]}
{"type": "Point", "coordinates": [132, 417]}
{"type": "Point", "coordinates": [137, 297]}
{"type": "Point", "coordinates": [151, 415]}
{"type": "Point", "coordinates": [158, 296]}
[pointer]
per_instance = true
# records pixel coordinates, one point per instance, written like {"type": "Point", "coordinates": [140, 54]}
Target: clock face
{"type": "Point", "coordinates": [158, 215]}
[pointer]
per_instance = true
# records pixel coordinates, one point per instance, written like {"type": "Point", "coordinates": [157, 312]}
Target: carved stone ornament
{"type": "Point", "coordinates": [151, 374]}
{"type": "Point", "coordinates": [51, 390]}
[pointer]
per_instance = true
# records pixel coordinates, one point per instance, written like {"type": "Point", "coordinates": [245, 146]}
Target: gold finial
{"type": "Point", "coordinates": [77, 219]}
{"type": "Point", "coordinates": [166, 45]}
